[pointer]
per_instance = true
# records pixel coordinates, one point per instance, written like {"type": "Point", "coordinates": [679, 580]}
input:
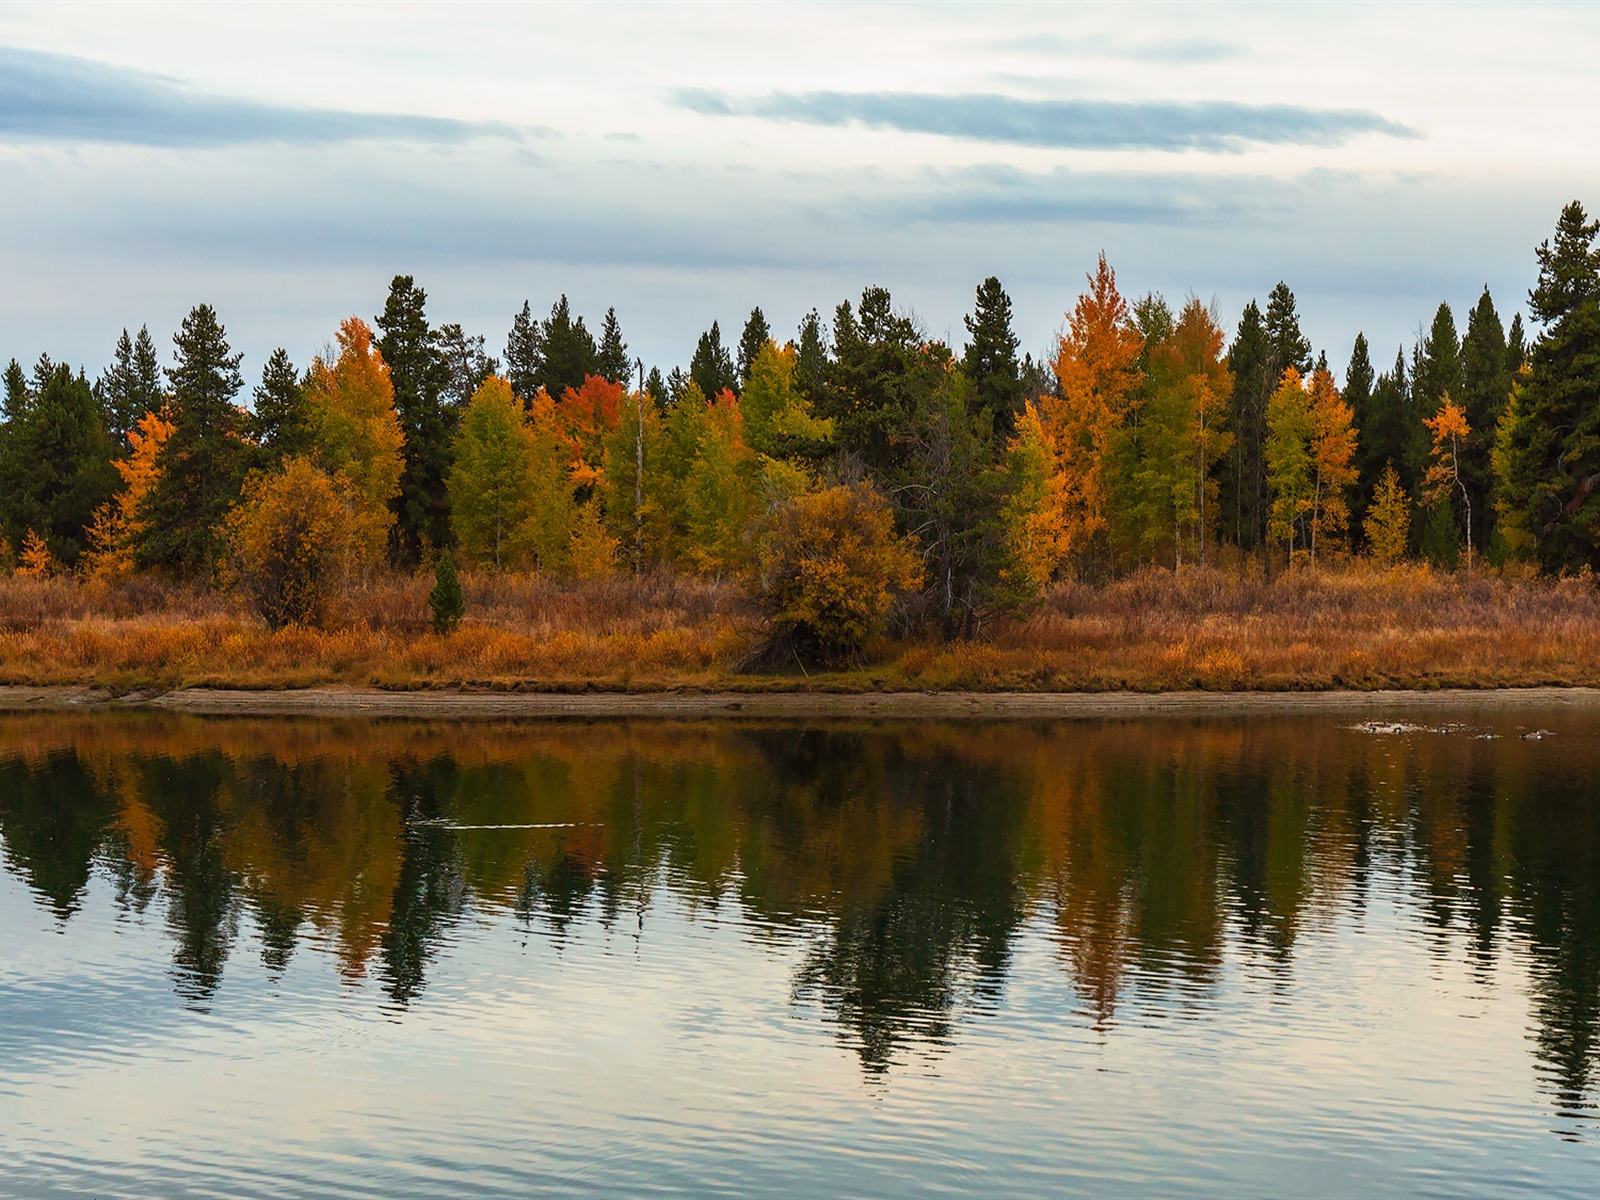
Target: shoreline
{"type": "Point", "coordinates": [795, 705]}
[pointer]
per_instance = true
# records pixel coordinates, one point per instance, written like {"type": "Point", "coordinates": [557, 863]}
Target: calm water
{"type": "Point", "coordinates": [1229, 957]}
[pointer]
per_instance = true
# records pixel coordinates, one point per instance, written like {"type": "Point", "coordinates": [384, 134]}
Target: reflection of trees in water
{"type": "Point", "coordinates": [899, 861]}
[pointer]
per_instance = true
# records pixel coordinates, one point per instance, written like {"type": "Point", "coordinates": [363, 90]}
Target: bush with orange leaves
{"type": "Point", "coordinates": [293, 543]}
{"type": "Point", "coordinates": [829, 565]}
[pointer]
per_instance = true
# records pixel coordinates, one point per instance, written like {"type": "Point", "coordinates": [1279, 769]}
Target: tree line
{"type": "Point", "coordinates": [856, 462]}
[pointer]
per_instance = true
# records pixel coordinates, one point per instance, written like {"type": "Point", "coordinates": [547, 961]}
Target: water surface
{"type": "Point", "coordinates": [1220, 957]}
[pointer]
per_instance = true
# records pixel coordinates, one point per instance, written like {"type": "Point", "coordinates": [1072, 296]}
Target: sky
{"type": "Point", "coordinates": [684, 163]}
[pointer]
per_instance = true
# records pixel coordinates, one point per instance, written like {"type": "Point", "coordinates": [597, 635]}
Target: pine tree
{"type": "Point", "coordinates": [202, 464]}
{"type": "Point", "coordinates": [446, 606]}
{"type": "Point", "coordinates": [131, 385]}
{"type": "Point", "coordinates": [1485, 388]}
{"type": "Point", "coordinates": [56, 468]}
{"type": "Point", "coordinates": [277, 424]}
{"type": "Point", "coordinates": [1251, 361]}
{"type": "Point", "coordinates": [16, 384]}
{"type": "Point", "coordinates": [419, 375]}
{"type": "Point", "coordinates": [1289, 346]}
{"type": "Point", "coordinates": [990, 359]}
{"type": "Point", "coordinates": [1358, 381]}
{"type": "Point", "coordinates": [1436, 364]}
{"type": "Point", "coordinates": [711, 368]}
{"type": "Point", "coordinates": [612, 361]}
{"type": "Point", "coordinates": [568, 352]}
{"type": "Point", "coordinates": [811, 360]}
{"type": "Point", "coordinates": [1516, 346]}
{"type": "Point", "coordinates": [755, 336]}
{"type": "Point", "coordinates": [524, 353]}
{"type": "Point", "coordinates": [467, 364]}
{"type": "Point", "coordinates": [656, 388]}
{"type": "Point", "coordinates": [877, 378]}
{"type": "Point", "coordinates": [1547, 453]}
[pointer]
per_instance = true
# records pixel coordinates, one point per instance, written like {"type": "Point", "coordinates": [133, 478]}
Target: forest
{"type": "Point", "coordinates": [852, 495]}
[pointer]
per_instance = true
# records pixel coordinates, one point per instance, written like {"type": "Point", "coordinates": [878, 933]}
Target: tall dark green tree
{"type": "Point", "coordinates": [524, 352]}
{"type": "Point", "coordinates": [467, 364]}
{"type": "Point", "coordinates": [757, 333]}
{"type": "Point", "coordinates": [202, 463]}
{"type": "Point", "coordinates": [131, 385]}
{"type": "Point", "coordinates": [1436, 364]}
{"type": "Point", "coordinates": [55, 468]}
{"type": "Point", "coordinates": [1289, 346]}
{"type": "Point", "coordinates": [1485, 390]}
{"type": "Point", "coordinates": [711, 367]}
{"type": "Point", "coordinates": [811, 360]}
{"type": "Point", "coordinates": [1358, 380]}
{"type": "Point", "coordinates": [16, 384]}
{"type": "Point", "coordinates": [1516, 346]}
{"type": "Point", "coordinates": [568, 354]}
{"type": "Point", "coordinates": [879, 376]}
{"type": "Point", "coordinates": [420, 376]}
{"type": "Point", "coordinates": [1548, 454]}
{"type": "Point", "coordinates": [612, 362]}
{"type": "Point", "coordinates": [990, 358]}
{"type": "Point", "coordinates": [656, 388]}
{"type": "Point", "coordinates": [1251, 360]}
{"type": "Point", "coordinates": [277, 422]}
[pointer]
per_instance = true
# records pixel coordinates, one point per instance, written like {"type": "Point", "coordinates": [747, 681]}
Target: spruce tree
{"type": "Point", "coordinates": [879, 376]}
{"type": "Point", "coordinates": [446, 606]}
{"type": "Point", "coordinates": [16, 382]}
{"type": "Point", "coordinates": [419, 375]}
{"type": "Point", "coordinates": [524, 353]}
{"type": "Point", "coordinates": [1252, 362]}
{"type": "Point", "coordinates": [277, 423]}
{"type": "Point", "coordinates": [811, 360]}
{"type": "Point", "coordinates": [656, 388]}
{"type": "Point", "coordinates": [1289, 347]}
{"type": "Point", "coordinates": [1485, 388]}
{"type": "Point", "coordinates": [569, 355]}
{"type": "Point", "coordinates": [1547, 456]}
{"type": "Point", "coordinates": [612, 360]}
{"type": "Point", "coordinates": [202, 463]}
{"type": "Point", "coordinates": [990, 359]}
{"type": "Point", "coordinates": [466, 365]}
{"type": "Point", "coordinates": [755, 336]}
{"type": "Point", "coordinates": [55, 469]}
{"type": "Point", "coordinates": [711, 367]}
{"type": "Point", "coordinates": [1358, 381]}
{"type": "Point", "coordinates": [1436, 364]}
{"type": "Point", "coordinates": [1516, 346]}
{"type": "Point", "coordinates": [131, 386]}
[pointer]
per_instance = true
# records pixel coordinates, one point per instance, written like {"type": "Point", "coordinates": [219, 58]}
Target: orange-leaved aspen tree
{"type": "Point", "coordinates": [1097, 369]}
{"type": "Point", "coordinates": [356, 435]}
{"type": "Point", "coordinates": [1450, 429]}
{"type": "Point", "coordinates": [118, 522]}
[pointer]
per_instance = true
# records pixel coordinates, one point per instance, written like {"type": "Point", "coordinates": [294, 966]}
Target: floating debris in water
{"type": "Point", "coordinates": [1537, 735]}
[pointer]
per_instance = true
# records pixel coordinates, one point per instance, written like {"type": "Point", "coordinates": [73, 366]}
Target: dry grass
{"type": "Point", "coordinates": [1357, 627]}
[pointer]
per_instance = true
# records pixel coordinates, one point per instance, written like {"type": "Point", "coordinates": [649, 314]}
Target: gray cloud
{"type": "Point", "coordinates": [1209, 125]}
{"type": "Point", "coordinates": [62, 98]}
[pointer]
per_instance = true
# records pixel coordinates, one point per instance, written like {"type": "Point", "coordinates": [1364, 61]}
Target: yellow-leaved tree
{"type": "Point", "coordinates": [1449, 429]}
{"type": "Point", "coordinates": [1388, 523]}
{"type": "Point", "coordinates": [1311, 442]}
{"type": "Point", "coordinates": [510, 492]}
{"type": "Point", "coordinates": [1333, 472]}
{"type": "Point", "coordinates": [356, 436]}
{"type": "Point", "coordinates": [294, 542]}
{"type": "Point", "coordinates": [118, 522]}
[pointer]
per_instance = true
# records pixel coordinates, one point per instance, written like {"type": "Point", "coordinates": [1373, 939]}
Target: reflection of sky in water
{"type": "Point", "coordinates": [1065, 975]}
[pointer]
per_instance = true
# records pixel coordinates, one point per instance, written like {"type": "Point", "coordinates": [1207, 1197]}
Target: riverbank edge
{"type": "Point", "coordinates": [690, 705]}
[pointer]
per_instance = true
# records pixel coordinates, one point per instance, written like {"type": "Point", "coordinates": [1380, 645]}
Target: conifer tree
{"type": "Point", "coordinates": [755, 336]}
{"type": "Point", "coordinates": [990, 359]}
{"type": "Point", "coordinates": [568, 355]}
{"type": "Point", "coordinates": [202, 463]}
{"type": "Point", "coordinates": [524, 352]}
{"type": "Point", "coordinates": [811, 360]}
{"type": "Point", "coordinates": [1289, 346]}
{"type": "Point", "coordinates": [1485, 389]}
{"type": "Point", "coordinates": [446, 606]}
{"type": "Point", "coordinates": [277, 423]}
{"type": "Point", "coordinates": [131, 385]}
{"type": "Point", "coordinates": [1516, 346]}
{"type": "Point", "coordinates": [878, 375]}
{"type": "Point", "coordinates": [1547, 454]}
{"type": "Point", "coordinates": [1436, 364]}
{"type": "Point", "coordinates": [612, 361]}
{"type": "Point", "coordinates": [1251, 362]}
{"type": "Point", "coordinates": [1388, 521]}
{"type": "Point", "coordinates": [56, 468]}
{"type": "Point", "coordinates": [656, 387]}
{"type": "Point", "coordinates": [1358, 383]}
{"type": "Point", "coordinates": [467, 364]}
{"type": "Point", "coordinates": [711, 368]}
{"type": "Point", "coordinates": [419, 376]}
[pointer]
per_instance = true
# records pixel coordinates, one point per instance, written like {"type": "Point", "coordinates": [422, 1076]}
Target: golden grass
{"type": "Point", "coordinates": [1354, 627]}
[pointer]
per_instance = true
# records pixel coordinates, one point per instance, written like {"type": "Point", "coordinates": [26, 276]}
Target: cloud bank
{"type": "Point", "coordinates": [1206, 125]}
{"type": "Point", "coordinates": [62, 98]}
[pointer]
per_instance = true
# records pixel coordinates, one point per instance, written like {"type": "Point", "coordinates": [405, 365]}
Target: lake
{"type": "Point", "coordinates": [1220, 956]}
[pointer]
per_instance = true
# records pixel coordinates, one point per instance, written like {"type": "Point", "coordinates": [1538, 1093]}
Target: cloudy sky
{"type": "Point", "coordinates": [282, 162]}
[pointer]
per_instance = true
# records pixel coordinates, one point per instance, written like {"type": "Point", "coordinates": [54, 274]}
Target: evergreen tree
{"type": "Point", "coordinates": [202, 463]}
{"type": "Point", "coordinates": [1252, 362]}
{"type": "Point", "coordinates": [277, 423]}
{"type": "Point", "coordinates": [16, 383]}
{"type": "Point", "coordinates": [467, 365]}
{"type": "Point", "coordinates": [612, 361]}
{"type": "Point", "coordinates": [1485, 388]}
{"type": "Point", "coordinates": [811, 360]}
{"type": "Point", "coordinates": [569, 356]}
{"type": "Point", "coordinates": [711, 368]}
{"type": "Point", "coordinates": [446, 606]}
{"type": "Point", "coordinates": [1035, 378]}
{"type": "Point", "coordinates": [879, 376]}
{"type": "Point", "coordinates": [1436, 364]}
{"type": "Point", "coordinates": [1289, 346]}
{"type": "Point", "coordinates": [990, 359]}
{"type": "Point", "coordinates": [755, 336]}
{"type": "Point", "coordinates": [1516, 346]}
{"type": "Point", "coordinates": [131, 385]}
{"type": "Point", "coordinates": [55, 467]}
{"type": "Point", "coordinates": [524, 353]}
{"type": "Point", "coordinates": [1547, 453]}
{"type": "Point", "coordinates": [656, 388]}
{"type": "Point", "coordinates": [419, 375]}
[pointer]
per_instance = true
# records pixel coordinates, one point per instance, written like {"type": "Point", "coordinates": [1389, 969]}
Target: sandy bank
{"type": "Point", "coordinates": [471, 705]}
